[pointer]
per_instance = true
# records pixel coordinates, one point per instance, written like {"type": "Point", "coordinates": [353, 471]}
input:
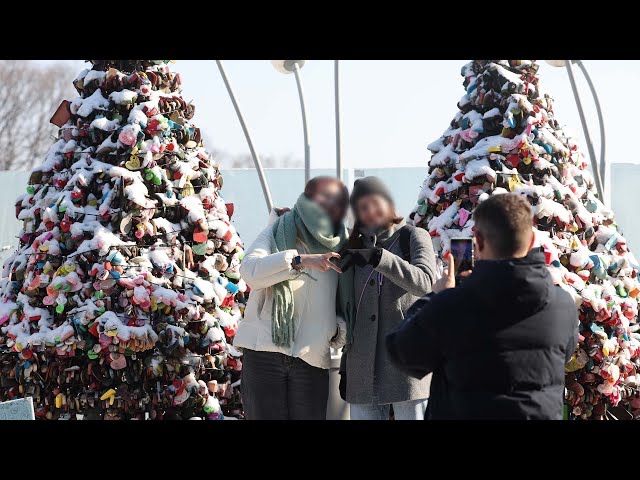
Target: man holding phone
{"type": "Point", "coordinates": [463, 257]}
{"type": "Point", "coordinates": [498, 342]}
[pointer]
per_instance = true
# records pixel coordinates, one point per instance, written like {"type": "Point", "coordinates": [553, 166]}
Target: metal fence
{"type": "Point", "coordinates": [242, 188]}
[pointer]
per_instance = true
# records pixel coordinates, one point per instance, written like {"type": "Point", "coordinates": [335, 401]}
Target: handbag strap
{"type": "Point", "coordinates": [370, 274]}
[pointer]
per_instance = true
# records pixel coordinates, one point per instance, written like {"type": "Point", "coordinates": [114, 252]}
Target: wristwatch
{"type": "Point", "coordinates": [296, 263]}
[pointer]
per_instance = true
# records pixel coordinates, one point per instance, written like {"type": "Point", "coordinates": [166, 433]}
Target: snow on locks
{"type": "Point", "coordinates": [124, 295]}
{"type": "Point", "coordinates": [505, 139]}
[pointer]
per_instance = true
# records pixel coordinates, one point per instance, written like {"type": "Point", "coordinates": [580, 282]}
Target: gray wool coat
{"type": "Point", "coordinates": [384, 295]}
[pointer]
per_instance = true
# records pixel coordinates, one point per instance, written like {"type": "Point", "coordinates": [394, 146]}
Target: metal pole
{"type": "Point", "coordinates": [603, 163]}
{"type": "Point", "coordinates": [594, 160]}
{"type": "Point", "coordinates": [254, 154]}
{"type": "Point", "coordinates": [336, 70]}
{"type": "Point", "coordinates": [307, 147]}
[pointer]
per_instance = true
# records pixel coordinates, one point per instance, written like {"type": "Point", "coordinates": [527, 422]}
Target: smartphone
{"type": "Point", "coordinates": [463, 255]}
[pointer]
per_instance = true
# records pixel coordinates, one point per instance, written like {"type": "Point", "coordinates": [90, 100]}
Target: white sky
{"type": "Point", "coordinates": [391, 110]}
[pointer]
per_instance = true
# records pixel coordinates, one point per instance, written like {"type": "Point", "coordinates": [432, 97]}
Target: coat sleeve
{"type": "Point", "coordinates": [415, 277]}
{"type": "Point", "coordinates": [261, 269]}
{"type": "Point", "coordinates": [414, 347]}
{"type": "Point", "coordinates": [340, 337]}
{"type": "Point", "coordinates": [573, 335]}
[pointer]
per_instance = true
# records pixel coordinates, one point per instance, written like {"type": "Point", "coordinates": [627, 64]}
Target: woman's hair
{"type": "Point", "coordinates": [316, 182]}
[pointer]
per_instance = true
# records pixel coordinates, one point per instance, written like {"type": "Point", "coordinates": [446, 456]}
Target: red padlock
{"type": "Point", "coordinates": [93, 329]}
{"type": "Point", "coordinates": [230, 209]}
{"type": "Point", "coordinates": [513, 159]}
{"type": "Point", "coordinates": [65, 224]}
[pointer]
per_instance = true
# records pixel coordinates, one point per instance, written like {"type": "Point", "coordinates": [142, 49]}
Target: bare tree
{"type": "Point", "coordinates": [245, 160]}
{"type": "Point", "coordinates": [29, 95]}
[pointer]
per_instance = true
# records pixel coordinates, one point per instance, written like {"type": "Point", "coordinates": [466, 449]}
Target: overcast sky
{"type": "Point", "coordinates": [391, 110]}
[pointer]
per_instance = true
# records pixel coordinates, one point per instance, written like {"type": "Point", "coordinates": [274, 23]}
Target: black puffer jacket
{"type": "Point", "coordinates": [497, 344]}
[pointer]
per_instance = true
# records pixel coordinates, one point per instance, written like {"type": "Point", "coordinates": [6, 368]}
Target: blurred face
{"type": "Point", "coordinates": [330, 197]}
{"type": "Point", "coordinates": [374, 211]}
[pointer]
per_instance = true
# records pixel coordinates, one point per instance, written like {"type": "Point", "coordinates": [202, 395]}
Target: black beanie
{"type": "Point", "coordinates": [368, 186]}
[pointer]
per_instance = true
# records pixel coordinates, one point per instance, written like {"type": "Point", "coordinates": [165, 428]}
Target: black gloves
{"type": "Point", "coordinates": [342, 387]}
{"type": "Point", "coordinates": [360, 257]}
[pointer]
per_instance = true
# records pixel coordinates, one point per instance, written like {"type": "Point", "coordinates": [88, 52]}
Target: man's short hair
{"type": "Point", "coordinates": [504, 221]}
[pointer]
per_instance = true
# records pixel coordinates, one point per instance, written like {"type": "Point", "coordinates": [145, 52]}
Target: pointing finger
{"type": "Point", "coordinates": [451, 271]}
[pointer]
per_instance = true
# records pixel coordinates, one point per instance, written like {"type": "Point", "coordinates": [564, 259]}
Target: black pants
{"type": "Point", "coordinates": [279, 387]}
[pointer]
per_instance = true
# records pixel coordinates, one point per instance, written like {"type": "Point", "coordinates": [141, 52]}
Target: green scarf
{"type": "Point", "coordinates": [346, 301]}
{"type": "Point", "coordinates": [311, 225]}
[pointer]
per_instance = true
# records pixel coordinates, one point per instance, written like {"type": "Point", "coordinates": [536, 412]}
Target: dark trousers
{"type": "Point", "coordinates": [279, 387]}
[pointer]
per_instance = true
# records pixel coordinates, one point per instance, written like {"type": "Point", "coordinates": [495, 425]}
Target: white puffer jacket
{"type": "Point", "coordinates": [317, 327]}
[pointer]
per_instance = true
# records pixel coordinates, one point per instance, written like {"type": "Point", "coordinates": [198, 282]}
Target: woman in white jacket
{"type": "Point", "coordinates": [290, 321]}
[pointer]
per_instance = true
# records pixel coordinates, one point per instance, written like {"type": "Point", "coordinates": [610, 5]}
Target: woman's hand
{"type": "Point", "coordinates": [320, 261]}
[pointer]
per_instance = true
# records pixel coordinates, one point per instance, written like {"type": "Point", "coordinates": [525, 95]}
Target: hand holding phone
{"type": "Point", "coordinates": [320, 261]}
{"type": "Point", "coordinates": [460, 261]}
{"type": "Point", "coordinates": [463, 256]}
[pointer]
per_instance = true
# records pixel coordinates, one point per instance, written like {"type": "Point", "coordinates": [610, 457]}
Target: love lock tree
{"type": "Point", "coordinates": [124, 295]}
{"type": "Point", "coordinates": [505, 138]}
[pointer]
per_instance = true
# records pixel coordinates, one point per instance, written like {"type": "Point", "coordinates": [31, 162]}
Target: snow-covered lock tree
{"type": "Point", "coordinates": [124, 294]}
{"type": "Point", "coordinates": [505, 138]}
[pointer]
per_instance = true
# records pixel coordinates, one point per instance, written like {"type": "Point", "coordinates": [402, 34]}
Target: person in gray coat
{"type": "Point", "coordinates": [387, 267]}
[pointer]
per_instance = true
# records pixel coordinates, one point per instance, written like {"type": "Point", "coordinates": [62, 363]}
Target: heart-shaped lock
{"type": "Point", "coordinates": [49, 300]}
{"type": "Point", "coordinates": [199, 248]}
{"type": "Point", "coordinates": [133, 163]}
{"type": "Point", "coordinates": [117, 361]}
{"type": "Point", "coordinates": [128, 136]}
{"type": "Point", "coordinates": [199, 235]}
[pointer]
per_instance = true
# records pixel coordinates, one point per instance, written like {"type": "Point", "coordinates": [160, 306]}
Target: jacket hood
{"type": "Point", "coordinates": [520, 286]}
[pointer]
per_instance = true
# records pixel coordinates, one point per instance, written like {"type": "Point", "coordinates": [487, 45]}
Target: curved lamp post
{"type": "Point", "coordinates": [336, 86]}
{"type": "Point", "coordinates": [599, 173]}
{"type": "Point", "coordinates": [245, 129]}
{"type": "Point", "coordinates": [294, 66]}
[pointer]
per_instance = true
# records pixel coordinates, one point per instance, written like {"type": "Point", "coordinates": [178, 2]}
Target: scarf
{"type": "Point", "coordinates": [311, 225]}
